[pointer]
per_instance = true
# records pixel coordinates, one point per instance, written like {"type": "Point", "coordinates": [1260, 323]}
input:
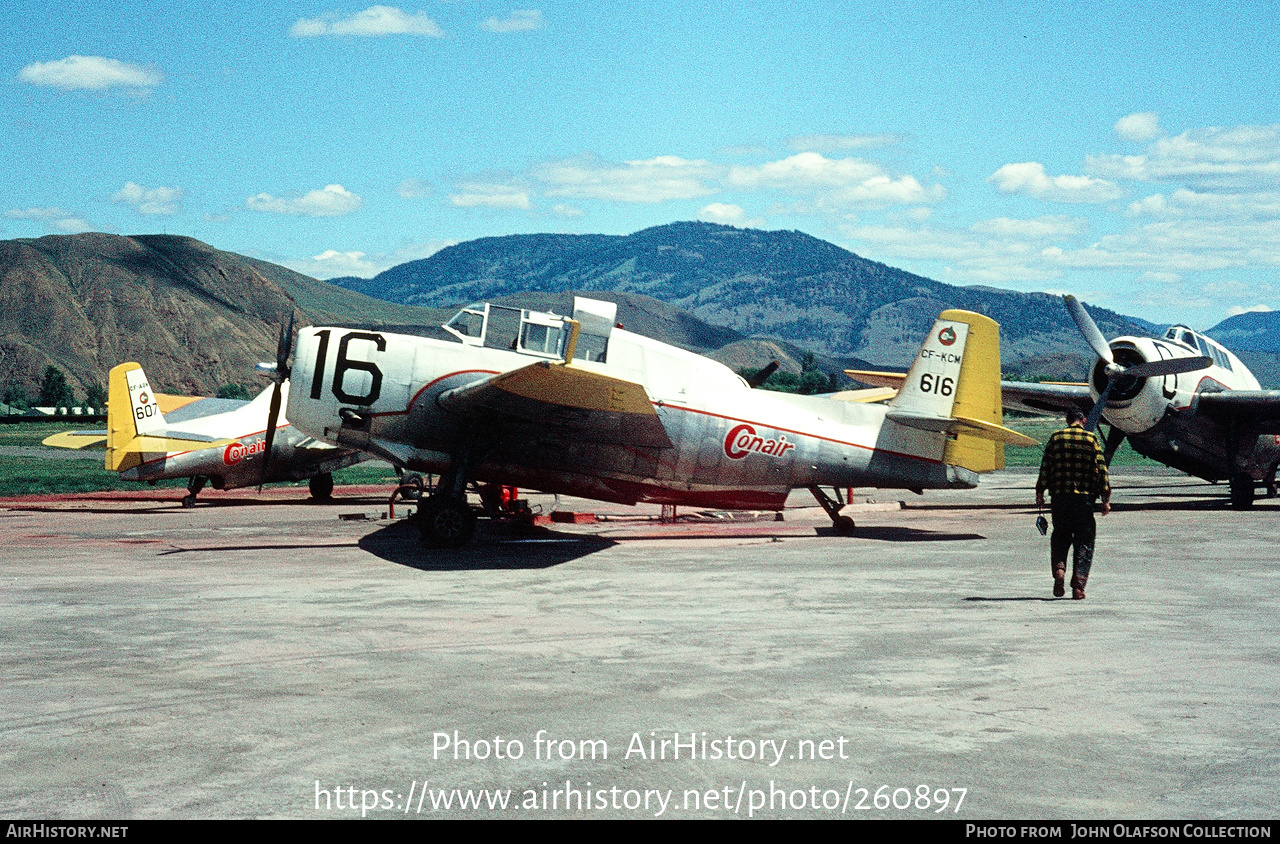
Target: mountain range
{"type": "Point", "coordinates": [197, 317]}
{"type": "Point", "coordinates": [782, 284]}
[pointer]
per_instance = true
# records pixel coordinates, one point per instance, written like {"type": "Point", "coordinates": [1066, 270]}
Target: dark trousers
{"type": "Point", "coordinates": [1073, 527]}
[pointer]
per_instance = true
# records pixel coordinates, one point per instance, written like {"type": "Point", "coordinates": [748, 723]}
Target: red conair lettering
{"type": "Point", "coordinates": [235, 452]}
{"type": "Point", "coordinates": [743, 440]}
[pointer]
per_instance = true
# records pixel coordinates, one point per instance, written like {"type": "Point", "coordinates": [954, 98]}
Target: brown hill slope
{"type": "Point", "coordinates": [195, 317]}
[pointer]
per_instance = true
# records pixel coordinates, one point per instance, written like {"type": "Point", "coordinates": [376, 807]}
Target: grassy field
{"type": "Point", "coordinates": [84, 472]}
{"type": "Point", "coordinates": [1040, 429]}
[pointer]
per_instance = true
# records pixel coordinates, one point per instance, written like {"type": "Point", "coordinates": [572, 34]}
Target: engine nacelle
{"type": "Point", "coordinates": [1137, 404]}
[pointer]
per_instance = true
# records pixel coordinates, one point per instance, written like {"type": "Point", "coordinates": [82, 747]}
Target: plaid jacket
{"type": "Point", "coordinates": [1073, 463]}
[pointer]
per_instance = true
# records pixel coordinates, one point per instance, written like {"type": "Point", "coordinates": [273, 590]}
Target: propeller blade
{"type": "Point", "coordinates": [1171, 366]}
{"type": "Point", "coordinates": [1114, 437]}
{"type": "Point", "coordinates": [273, 417]}
{"type": "Point", "coordinates": [1091, 423]}
{"type": "Point", "coordinates": [1089, 328]}
{"type": "Point", "coordinates": [763, 375]}
{"type": "Point", "coordinates": [283, 347]}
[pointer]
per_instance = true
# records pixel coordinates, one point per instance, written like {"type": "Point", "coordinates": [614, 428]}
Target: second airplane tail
{"type": "Point", "coordinates": [953, 386]}
{"type": "Point", "coordinates": [135, 424]}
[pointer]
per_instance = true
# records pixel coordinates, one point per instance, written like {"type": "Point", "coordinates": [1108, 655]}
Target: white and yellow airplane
{"type": "Point", "coordinates": [1182, 399]}
{"type": "Point", "coordinates": [223, 442]}
{"type": "Point", "coordinates": [578, 405]}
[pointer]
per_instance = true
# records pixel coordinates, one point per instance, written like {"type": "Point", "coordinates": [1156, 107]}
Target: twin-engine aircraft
{"type": "Point", "coordinates": [1182, 400]}
{"type": "Point", "coordinates": [224, 442]}
{"type": "Point", "coordinates": [579, 405]}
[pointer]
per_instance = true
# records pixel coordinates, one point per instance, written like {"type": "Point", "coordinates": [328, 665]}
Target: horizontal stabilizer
{"type": "Point", "coordinates": [960, 424]}
{"type": "Point", "coordinates": [76, 439]}
{"type": "Point", "coordinates": [177, 442]}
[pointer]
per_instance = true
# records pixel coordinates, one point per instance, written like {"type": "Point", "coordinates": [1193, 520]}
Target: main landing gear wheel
{"type": "Point", "coordinates": [1241, 491]}
{"type": "Point", "coordinates": [321, 487]}
{"type": "Point", "coordinates": [445, 523]}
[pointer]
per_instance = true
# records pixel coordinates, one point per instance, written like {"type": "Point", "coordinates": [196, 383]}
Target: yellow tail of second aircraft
{"type": "Point", "coordinates": [954, 386]}
{"type": "Point", "coordinates": [135, 422]}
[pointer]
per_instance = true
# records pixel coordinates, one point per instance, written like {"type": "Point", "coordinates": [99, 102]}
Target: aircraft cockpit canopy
{"type": "Point", "coordinates": [538, 333]}
{"type": "Point", "coordinates": [1199, 343]}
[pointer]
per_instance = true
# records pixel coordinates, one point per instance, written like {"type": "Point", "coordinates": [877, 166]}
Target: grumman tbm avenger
{"type": "Point", "coordinates": [1182, 399]}
{"type": "Point", "coordinates": [224, 442]}
{"type": "Point", "coordinates": [578, 405]}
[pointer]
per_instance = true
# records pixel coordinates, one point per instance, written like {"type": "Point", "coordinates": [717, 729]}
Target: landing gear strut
{"type": "Point", "coordinates": [843, 524]}
{"type": "Point", "coordinates": [193, 489]}
{"type": "Point", "coordinates": [444, 517]}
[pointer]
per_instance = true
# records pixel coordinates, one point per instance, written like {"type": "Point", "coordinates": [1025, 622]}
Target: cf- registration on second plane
{"type": "Point", "coordinates": [578, 405]}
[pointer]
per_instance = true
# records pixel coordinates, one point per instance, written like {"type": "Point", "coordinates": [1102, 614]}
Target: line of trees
{"type": "Point", "coordinates": [55, 392]}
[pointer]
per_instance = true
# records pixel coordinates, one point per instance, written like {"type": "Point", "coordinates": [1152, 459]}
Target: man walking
{"type": "Point", "coordinates": [1074, 472]}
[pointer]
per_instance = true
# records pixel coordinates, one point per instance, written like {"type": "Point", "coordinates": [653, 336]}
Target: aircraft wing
{"type": "Point", "coordinates": [1258, 405]}
{"type": "Point", "coordinates": [564, 401]}
{"type": "Point", "coordinates": [878, 379]}
{"type": "Point", "coordinates": [1044, 398]}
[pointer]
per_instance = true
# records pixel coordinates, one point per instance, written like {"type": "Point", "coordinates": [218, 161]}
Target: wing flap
{"type": "Point", "coordinates": [567, 401]}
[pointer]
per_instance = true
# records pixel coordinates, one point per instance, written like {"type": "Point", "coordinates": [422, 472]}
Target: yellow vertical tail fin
{"type": "Point", "coordinates": [977, 396]}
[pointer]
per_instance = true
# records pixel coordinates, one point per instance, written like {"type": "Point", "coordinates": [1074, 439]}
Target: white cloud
{"type": "Point", "coordinates": [1142, 126]}
{"type": "Point", "coordinates": [492, 195]}
{"type": "Point", "coordinates": [90, 73]}
{"type": "Point", "coordinates": [562, 210]}
{"type": "Point", "coordinates": [833, 182]}
{"type": "Point", "coordinates": [414, 189]}
{"type": "Point", "coordinates": [1240, 159]}
{"type": "Point", "coordinates": [653, 180]}
{"type": "Point", "coordinates": [1038, 229]}
{"type": "Point", "coordinates": [1031, 179]}
{"type": "Point", "coordinates": [332, 201]}
{"type": "Point", "coordinates": [1183, 203]}
{"type": "Point", "coordinates": [56, 218]}
{"type": "Point", "coordinates": [729, 215]}
{"type": "Point", "coordinates": [838, 143]}
{"type": "Point", "coordinates": [332, 263]}
{"type": "Point", "coordinates": [1236, 310]}
{"type": "Point", "coordinates": [520, 20]}
{"type": "Point", "coordinates": [160, 201]}
{"type": "Point", "coordinates": [373, 21]}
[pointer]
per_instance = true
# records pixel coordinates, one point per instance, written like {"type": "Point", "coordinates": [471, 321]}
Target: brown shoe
{"type": "Point", "coordinates": [1077, 587]}
{"type": "Point", "coordinates": [1059, 576]}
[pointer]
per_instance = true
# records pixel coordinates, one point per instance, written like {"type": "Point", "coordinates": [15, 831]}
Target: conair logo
{"type": "Point", "coordinates": [743, 440]}
{"type": "Point", "coordinates": [235, 452]}
{"type": "Point", "coordinates": [143, 398]}
{"type": "Point", "coordinates": [947, 336]}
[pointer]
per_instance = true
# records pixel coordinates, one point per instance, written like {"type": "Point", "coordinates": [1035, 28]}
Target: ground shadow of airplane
{"type": "Point", "coordinates": [496, 548]}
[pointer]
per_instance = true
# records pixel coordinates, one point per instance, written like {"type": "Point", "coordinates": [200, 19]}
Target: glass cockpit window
{"type": "Point", "coordinates": [542, 339]}
{"type": "Point", "coordinates": [468, 322]}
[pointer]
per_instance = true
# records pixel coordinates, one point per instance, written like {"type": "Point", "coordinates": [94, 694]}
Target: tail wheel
{"type": "Point", "coordinates": [446, 524]}
{"type": "Point", "coordinates": [1241, 490]}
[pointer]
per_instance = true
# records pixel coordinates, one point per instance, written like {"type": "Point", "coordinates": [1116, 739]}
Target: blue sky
{"type": "Point", "coordinates": [1129, 154]}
